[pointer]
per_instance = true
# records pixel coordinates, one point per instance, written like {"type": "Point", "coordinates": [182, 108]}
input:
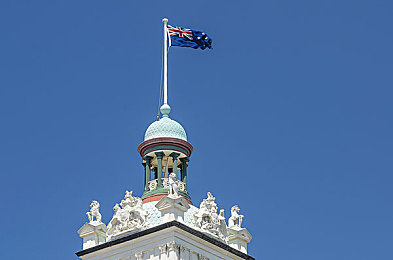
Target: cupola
{"type": "Point", "coordinates": [165, 149]}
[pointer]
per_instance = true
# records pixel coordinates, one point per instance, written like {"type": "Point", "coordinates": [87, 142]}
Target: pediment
{"type": "Point", "coordinates": [92, 227]}
{"type": "Point", "coordinates": [241, 233]}
{"type": "Point", "coordinates": [167, 202]}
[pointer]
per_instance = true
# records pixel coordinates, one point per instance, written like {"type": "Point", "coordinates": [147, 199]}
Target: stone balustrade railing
{"type": "Point", "coordinates": [153, 184]}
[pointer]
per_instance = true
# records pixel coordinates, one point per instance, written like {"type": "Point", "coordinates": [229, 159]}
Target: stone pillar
{"type": "Point", "coordinates": [194, 255]}
{"type": "Point", "coordinates": [184, 171]}
{"type": "Point", "coordinates": [174, 157]}
{"type": "Point", "coordinates": [159, 169]}
{"type": "Point", "coordinates": [239, 238]}
{"type": "Point", "coordinates": [173, 251]}
{"type": "Point", "coordinates": [93, 234]}
{"type": "Point", "coordinates": [163, 250]}
{"type": "Point", "coordinates": [147, 171]}
{"type": "Point", "coordinates": [184, 253]}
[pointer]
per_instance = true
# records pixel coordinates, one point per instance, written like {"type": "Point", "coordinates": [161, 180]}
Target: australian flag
{"type": "Point", "coordinates": [188, 38]}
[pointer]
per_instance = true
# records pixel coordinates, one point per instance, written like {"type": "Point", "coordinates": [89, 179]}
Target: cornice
{"type": "Point", "coordinates": [165, 141]}
{"type": "Point", "coordinates": [162, 227]}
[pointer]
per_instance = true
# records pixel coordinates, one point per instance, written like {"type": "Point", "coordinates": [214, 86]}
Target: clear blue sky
{"type": "Point", "coordinates": [290, 116]}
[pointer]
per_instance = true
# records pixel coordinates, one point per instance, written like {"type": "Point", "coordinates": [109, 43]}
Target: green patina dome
{"type": "Point", "coordinates": [165, 127]}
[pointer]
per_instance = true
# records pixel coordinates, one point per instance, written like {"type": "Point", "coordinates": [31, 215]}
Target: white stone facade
{"type": "Point", "coordinates": [167, 244]}
{"type": "Point", "coordinates": [172, 229]}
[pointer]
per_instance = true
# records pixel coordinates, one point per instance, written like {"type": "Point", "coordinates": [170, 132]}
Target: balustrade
{"type": "Point", "coordinates": [153, 184]}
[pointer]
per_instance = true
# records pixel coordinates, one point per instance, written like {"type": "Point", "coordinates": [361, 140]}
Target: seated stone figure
{"type": "Point", "coordinates": [173, 184]}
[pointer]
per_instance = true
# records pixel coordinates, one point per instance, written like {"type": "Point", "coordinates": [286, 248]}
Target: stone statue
{"type": "Point", "coordinates": [173, 185]}
{"type": "Point", "coordinates": [209, 221]}
{"type": "Point", "coordinates": [235, 220]}
{"type": "Point", "coordinates": [223, 225]}
{"type": "Point", "coordinates": [129, 216]}
{"type": "Point", "coordinates": [94, 214]}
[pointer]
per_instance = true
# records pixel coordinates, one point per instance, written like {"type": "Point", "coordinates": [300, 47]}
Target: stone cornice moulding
{"type": "Point", "coordinates": [170, 141]}
{"type": "Point", "coordinates": [173, 224]}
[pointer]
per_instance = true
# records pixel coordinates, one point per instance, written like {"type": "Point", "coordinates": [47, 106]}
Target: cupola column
{"type": "Point", "coordinates": [184, 171]}
{"type": "Point", "coordinates": [147, 171]}
{"type": "Point", "coordinates": [144, 167]}
{"type": "Point", "coordinates": [174, 157]}
{"type": "Point", "coordinates": [159, 169]}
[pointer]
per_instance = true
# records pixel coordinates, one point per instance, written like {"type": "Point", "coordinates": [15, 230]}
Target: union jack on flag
{"type": "Point", "coordinates": [184, 37]}
{"type": "Point", "coordinates": [179, 32]}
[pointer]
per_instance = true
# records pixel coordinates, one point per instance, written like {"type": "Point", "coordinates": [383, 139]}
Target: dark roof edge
{"type": "Point", "coordinates": [161, 227]}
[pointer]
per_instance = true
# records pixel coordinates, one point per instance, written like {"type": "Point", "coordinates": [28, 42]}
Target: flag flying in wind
{"type": "Point", "coordinates": [188, 38]}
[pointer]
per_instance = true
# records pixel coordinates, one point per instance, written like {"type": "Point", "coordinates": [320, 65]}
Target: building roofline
{"type": "Point", "coordinates": [174, 223]}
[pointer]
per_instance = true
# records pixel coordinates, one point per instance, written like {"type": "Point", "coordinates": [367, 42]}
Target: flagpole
{"type": "Point", "coordinates": [165, 21]}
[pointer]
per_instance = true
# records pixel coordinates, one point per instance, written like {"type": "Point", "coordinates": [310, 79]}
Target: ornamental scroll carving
{"type": "Point", "coordinates": [184, 252]}
{"type": "Point", "coordinates": [209, 221]}
{"type": "Point", "coordinates": [129, 216]}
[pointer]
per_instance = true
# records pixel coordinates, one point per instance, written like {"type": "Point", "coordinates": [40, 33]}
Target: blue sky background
{"type": "Point", "coordinates": [290, 116]}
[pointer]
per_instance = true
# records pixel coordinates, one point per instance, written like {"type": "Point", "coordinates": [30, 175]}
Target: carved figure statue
{"type": "Point", "coordinates": [129, 216]}
{"type": "Point", "coordinates": [235, 220]}
{"type": "Point", "coordinates": [94, 213]}
{"type": "Point", "coordinates": [209, 221]}
{"type": "Point", "coordinates": [223, 225]}
{"type": "Point", "coordinates": [173, 184]}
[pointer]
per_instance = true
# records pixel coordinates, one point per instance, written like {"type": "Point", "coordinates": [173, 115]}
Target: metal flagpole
{"type": "Point", "coordinates": [165, 21]}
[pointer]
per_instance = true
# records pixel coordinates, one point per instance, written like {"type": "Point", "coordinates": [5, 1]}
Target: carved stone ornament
{"type": "Point", "coordinates": [165, 182]}
{"type": "Point", "coordinates": [209, 221]}
{"type": "Point", "coordinates": [173, 185]}
{"type": "Point", "coordinates": [139, 256]}
{"type": "Point", "coordinates": [172, 246]}
{"type": "Point", "coordinates": [128, 217]}
{"type": "Point", "coordinates": [163, 249]}
{"type": "Point", "coordinates": [94, 214]}
{"type": "Point", "coordinates": [235, 221]}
